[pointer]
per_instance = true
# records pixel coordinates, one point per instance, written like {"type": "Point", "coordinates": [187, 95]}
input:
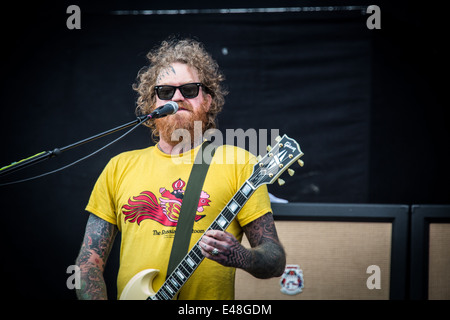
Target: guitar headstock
{"type": "Point", "coordinates": [277, 160]}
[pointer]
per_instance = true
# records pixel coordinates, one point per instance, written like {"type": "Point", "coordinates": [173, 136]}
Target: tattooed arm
{"type": "Point", "coordinates": [268, 256]}
{"type": "Point", "coordinates": [265, 259]}
{"type": "Point", "coordinates": [98, 241]}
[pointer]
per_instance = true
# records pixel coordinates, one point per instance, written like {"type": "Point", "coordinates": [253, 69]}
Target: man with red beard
{"type": "Point", "coordinates": [180, 71]}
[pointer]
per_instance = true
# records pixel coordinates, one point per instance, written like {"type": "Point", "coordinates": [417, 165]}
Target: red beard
{"type": "Point", "coordinates": [183, 119]}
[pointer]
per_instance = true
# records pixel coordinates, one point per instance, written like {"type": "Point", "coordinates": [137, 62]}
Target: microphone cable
{"type": "Point", "coordinates": [79, 160]}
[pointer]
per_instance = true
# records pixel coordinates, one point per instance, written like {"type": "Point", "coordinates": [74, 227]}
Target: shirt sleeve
{"type": "Point", "coordinates": [101, 202]}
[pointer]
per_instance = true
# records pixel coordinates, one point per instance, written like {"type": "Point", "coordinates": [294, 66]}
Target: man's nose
{"type": "Point", "coordinates": [177, 96]}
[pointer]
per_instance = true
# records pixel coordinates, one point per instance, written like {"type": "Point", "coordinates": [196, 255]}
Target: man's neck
{"type": "Point", "coordinates": [179, 148]}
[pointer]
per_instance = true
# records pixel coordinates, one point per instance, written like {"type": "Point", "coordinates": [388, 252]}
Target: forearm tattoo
{"type": "Point", "coordinates": [268, 258]}
{"type": "Point", "coordinates": [94, 252]}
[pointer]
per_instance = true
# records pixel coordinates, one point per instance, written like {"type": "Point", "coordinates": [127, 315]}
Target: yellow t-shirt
{"type": "Point", "coordinates": [140, 191]}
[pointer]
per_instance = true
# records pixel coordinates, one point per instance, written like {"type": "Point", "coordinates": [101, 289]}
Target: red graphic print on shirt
{"type": "Point", "coordinates": [165, 209]}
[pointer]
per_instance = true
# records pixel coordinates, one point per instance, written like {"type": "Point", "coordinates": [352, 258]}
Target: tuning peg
{"type": "Point", "coordinates": [281, 181]}
{"type": "Point", "coordinates": [278, 139]}
{"type": "Point", "coordinates": [269, 148]}
{"type": "Point", "coordinates": [259, 158]}
{"type": "Point", "coordinates": [291, 172]}
{"type": "Point", "coordinates": [301, 163]}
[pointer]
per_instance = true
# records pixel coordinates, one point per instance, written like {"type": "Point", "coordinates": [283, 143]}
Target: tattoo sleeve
{"type": "Point", "coordinates": [267, 258]}
{"type": "Point", "coordinates": [98, 241]}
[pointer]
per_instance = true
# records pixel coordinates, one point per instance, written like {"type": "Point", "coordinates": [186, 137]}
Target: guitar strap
{"type": "Point", "coordinates": [189, 208]}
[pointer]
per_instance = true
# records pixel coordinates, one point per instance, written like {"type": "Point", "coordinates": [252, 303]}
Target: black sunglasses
{"type": "Point", "coordinates": [188, 90]}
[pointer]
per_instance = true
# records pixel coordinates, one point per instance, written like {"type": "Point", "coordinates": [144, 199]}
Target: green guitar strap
{"type": "Point", "coordinates": [189, 208]}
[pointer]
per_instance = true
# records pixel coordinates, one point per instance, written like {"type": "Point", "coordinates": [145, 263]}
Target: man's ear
{"type": "Point", "coordinates": [209, 100]}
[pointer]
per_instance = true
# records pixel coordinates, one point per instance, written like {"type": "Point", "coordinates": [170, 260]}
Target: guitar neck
{"type": "Point", "coordinates": [194, 257]}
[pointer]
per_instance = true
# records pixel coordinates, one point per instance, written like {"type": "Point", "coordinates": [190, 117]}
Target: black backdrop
{"type": "Point", "coordinates": [365, 105]}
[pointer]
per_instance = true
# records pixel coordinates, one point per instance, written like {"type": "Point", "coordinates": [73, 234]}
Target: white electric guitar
{"type": "Point", "coordinates": [279, 157]}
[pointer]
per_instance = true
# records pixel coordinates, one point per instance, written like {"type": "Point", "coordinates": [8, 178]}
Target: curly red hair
{"type": "Point", "coordinates": [187, 51]}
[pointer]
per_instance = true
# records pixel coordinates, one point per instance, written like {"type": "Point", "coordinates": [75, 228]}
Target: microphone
{"type": "Point", "coordinates": [169, 108]}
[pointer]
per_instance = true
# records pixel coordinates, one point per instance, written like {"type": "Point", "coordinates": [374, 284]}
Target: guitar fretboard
{"type": "Point", "coordinates": [194, 257]}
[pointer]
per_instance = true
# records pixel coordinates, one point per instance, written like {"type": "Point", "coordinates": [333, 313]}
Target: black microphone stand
{"type": "Point", "coordinates": [44, 155]}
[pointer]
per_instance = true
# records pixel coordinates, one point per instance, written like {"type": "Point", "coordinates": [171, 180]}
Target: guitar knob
{"type": "Point", "coordinates": [281, 181]}
{"type": "Point", "coordinates": [301, 163]}
{"type": "Point", "coordinates": [291, 172]}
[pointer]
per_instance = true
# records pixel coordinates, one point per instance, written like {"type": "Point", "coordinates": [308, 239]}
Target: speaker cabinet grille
{"type": "Point", "coordinates": [439, 262]}
{"type": "Point", "coordinates": [334, 257]}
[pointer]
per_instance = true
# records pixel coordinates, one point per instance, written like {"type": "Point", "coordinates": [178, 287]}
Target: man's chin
{"type": "Point", "coordinates": [168, 131]}
{"type": "Point", "coordinates": [183, 120]}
